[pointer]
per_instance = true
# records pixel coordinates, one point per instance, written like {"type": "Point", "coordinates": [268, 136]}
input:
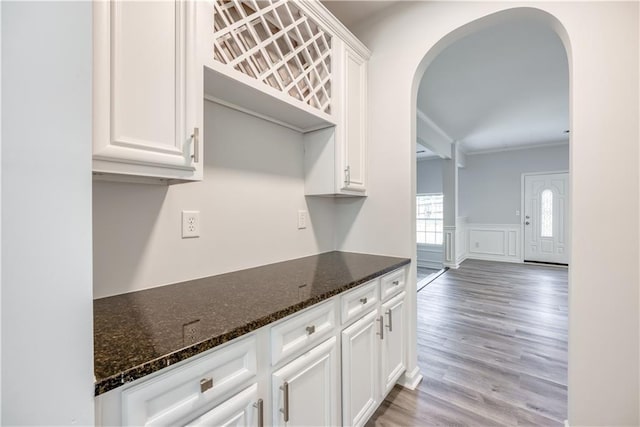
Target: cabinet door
{"type": "Point", "coordinates": [305, 391]}
{"type": "Point", "coordinates": [354, 132]}
{"type": "Point", "coordinates": [145, 94]}
{"type": "Point", "coordinates": [394, 343]}
{"type": "Point", "coordinates": [360, 367]}
{"type": "Point", "coordinates": [239, 411]}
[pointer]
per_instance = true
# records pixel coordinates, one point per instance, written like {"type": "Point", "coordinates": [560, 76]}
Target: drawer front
{"type": "Point", "coordinates": [239, 411]}
{"type": "Point", "coordinates": [300, 331]}
{"type": "Point", "coordinates": [170, 397]}
{"type": "Point", "coordinates": [360, 300]}
{"type": "Point", "coordinates": [392, 283]}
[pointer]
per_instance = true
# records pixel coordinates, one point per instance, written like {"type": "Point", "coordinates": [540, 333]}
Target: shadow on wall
{"type": "Point", "coordinates": [348, 209]}
{"type": "Point", "coordinates": [261, 148]}
{"type": "Point", "coordinates": [124, 245]}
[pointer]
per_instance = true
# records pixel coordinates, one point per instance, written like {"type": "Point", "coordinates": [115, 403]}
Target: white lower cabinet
{"type": "Point", "coordinates": [360, 355]}
{"type": "Point", "coordinates": [394, 342]}
{"type": "Point", "coordinates": [331, 364]}
{"type": "Point", "coordinates": [305, 391]}
{"type": "Point", "coordinates": [242, 410]}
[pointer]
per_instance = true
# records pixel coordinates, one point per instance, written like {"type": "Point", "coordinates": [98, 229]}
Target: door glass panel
{"type": "Point", "coordinates": [546, 214]}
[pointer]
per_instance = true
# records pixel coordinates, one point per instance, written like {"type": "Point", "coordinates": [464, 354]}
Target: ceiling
{"type": "Point", "coordinates": [503, 87]}
{"type": "Point", "coordinates": [352, 12]}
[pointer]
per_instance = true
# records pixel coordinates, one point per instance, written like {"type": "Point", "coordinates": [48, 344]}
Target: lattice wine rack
{"type": "Point", "coordinates": [275, 42]}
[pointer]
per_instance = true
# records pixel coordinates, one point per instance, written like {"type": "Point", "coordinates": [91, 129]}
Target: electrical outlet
{"type": "Point", "coordinates": [190, 224]}
{"type": "Point", "coordinates": [302, 219]}
{"type": "Point", "coordinates": [191, 332]}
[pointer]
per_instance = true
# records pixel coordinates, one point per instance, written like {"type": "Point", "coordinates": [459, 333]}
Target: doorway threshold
{"type": "Point", "coordinates": [548, 264]}
{"type": "Point", "coordinates": [430, 278]}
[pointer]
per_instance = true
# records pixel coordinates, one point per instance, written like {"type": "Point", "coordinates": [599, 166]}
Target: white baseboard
{"type": "Point", "coordinates": [481, 257]}
{"type": "Point", "coordinates": [451, 265]}
{"type": "Point", "coordinates": [411, 379]}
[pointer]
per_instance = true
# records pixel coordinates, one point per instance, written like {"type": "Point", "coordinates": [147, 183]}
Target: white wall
{"type": "Point", "coordinates": [604, 322]}
{"type": "Point", "coordinates": [429, 176]}
{"type": "Point", "coordinates": [253, 187]}
{"type": "Point", "coordinates": [490, 184]}
{"type": "Point", "coordinates": [47, 334]}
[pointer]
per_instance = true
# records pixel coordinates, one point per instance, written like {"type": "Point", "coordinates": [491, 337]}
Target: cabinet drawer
{"type": "Point", "coordinates": [298, 332]}
{"type": "Point", "coordinates": [239, 411]}
{"type": "Point", "coordinates": [358, 301]}
{"type": "Point", "coordinates": [392, 283]}
{"type": "Point", "coordinates": [170, 397]}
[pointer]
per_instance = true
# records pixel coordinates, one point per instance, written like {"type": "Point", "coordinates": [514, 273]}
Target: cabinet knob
{"type": "Point", "coordinates": [396, 282]}
{"type": "Point", "coordinates": [363, 300]}
{"type": "Point", "coordinates": [311, 329]}
{"type": "Point", "coordinates": [206, 384]}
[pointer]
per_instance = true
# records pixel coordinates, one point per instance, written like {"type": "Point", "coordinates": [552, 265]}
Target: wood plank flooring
{"type": "Point", "coordinates": [492, 346]}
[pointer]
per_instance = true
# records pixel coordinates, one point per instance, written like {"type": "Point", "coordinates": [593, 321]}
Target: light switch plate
{"type": "Point", "coordinates": [302, 219]}
{"type": "Point", "coordinates": [190, 224]}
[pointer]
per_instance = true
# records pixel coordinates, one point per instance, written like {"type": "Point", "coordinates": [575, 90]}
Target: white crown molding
{"type": "Point", "coordinates": [516, 148]}
{"type": "Point", "coordinates": [328, 20]}
{"type": "Point", "coordinates": [425, 158]}
{"type": "Point", "coordinates": [433, 125]}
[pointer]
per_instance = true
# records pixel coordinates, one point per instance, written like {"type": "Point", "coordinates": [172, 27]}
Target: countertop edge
{"type": "Point", "coordinates": [115, 381]}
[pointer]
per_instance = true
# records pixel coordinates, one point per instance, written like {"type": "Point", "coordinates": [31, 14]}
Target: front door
{"type": "Point", "coordinates": [546, 203]}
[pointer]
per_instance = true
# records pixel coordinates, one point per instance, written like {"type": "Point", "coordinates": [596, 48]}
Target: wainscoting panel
{"type": "Point", "coordinates": [461, 239]}
{"type": "Point", "coordinates": [493, 242]}
{"type": "Point", "coordinates": [430, 256]}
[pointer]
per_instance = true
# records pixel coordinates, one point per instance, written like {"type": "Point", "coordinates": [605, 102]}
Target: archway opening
{"type": "Point", "coordinates": [491, 104]}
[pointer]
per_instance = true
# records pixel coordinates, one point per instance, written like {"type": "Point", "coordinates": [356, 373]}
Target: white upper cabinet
{"type": "Point", "coordinates": [335, 157]}
{"type": "Point", "coordinates": [273, 59]}
{"type": "Point", "coordinates": [147, 108]}
{"type": "Point", "coordinates": [353, 124]}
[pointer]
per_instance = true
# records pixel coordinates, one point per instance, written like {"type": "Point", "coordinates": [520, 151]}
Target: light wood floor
{"type": "Point", "coordinates": [492, 346]}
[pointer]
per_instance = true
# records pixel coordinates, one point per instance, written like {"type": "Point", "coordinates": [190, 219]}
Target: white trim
{"type": "Point", "coordinates": [566, 423]}
{"type": "Point", "coordinates": [333, 24]}
{"type": "Point", "coordinates": [508, 251]}
{"type": "Point", "coordinates": [433, 125]}
{"type": "Point", "coordinates": [411, 379]}
{"type": "Point", "coordinates": [429, 157]}
{"type": "Point", "coordinates": [516, 148]}
{"type": "Point", "coordinates": [236, 107]}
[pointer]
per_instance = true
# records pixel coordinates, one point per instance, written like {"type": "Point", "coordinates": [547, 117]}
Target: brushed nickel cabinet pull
{"type": "Point", "coordinates": [363, 300]}
{"type": "Point", "coordinates": [390, 314]}
{"type": "Point", "coordinates": [396, 282]}
{"type": "Point", "coordinates": [381, 333]}
{"type": "Point", "coordinates": [260, 406]}
{"type": "Point", "coordinates": [285, 409]}
{"type": "Point", "coordinates": [195, 137]}
{"type": "Point", "coordinates": [347, 175]}
{"type": "Point", "coordinates": [206, 384]}
{"type": "Point", "coordinates": [311, 329]}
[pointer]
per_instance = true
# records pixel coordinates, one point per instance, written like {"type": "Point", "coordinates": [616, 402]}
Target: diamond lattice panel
{"type": "Point", "coordinates": [275, 42]}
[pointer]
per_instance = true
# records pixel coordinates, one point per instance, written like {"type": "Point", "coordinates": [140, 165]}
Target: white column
{"type": "Point", "coordinates": [450, 191]}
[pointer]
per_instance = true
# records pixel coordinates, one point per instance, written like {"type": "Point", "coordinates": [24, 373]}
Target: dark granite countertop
{"type": "Point", "coordinates": [138, 333]}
